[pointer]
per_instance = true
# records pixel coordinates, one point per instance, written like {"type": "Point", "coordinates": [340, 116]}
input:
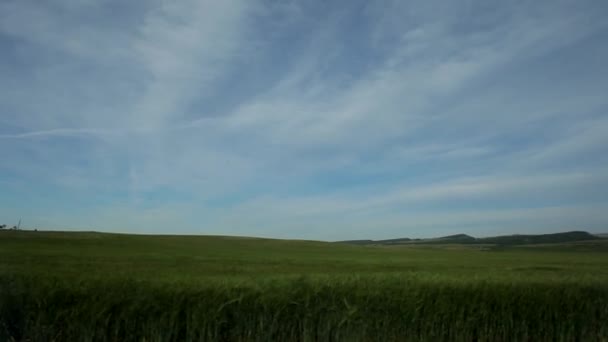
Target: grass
{"type": "Point", "coordinates": [110, 287]}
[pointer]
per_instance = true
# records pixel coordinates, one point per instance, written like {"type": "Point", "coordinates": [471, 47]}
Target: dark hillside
{"type": "Point", "coordinates": [506, 240]}
{"type": "Point", "coordinates": [458, 238]}
{"type": "Point", "coordinates": [539, 239]}
{"type": "Point", "coordinates": [394, 241]}
{"type": "Point", "coordinates": [358, 242]}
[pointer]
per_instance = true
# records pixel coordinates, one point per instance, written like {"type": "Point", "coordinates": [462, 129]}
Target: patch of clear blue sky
{"type": "Point", "coordinates": [305, 119]}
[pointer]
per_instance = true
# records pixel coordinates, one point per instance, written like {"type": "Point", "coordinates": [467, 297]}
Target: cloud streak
{"type": "Point", "coordinates": [295, 119]}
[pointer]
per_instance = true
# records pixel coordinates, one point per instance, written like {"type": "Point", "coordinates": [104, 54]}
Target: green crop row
{"type": "Point", "coordinates": [301, 309]}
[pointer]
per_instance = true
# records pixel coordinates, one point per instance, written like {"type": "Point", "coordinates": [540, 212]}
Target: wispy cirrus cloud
{"type": "Point", "coordinates": [254, 117]}
{"type": "Point", "coordinates": [56, 132]}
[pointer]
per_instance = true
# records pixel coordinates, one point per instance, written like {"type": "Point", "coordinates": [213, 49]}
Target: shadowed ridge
{"type": "Point", "coordinates": [358, 242]}
{"type": "Point", "coordinates": [519, 239]}
{"type": "Point", "coordinates": [461, 238]}
{"type": "Point", "coordinates": [572, 236]}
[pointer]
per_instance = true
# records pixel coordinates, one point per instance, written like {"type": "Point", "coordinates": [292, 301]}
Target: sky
{"type": "Point", "coordinates": [323, 120]}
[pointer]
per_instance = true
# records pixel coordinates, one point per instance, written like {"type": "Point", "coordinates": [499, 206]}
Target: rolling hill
{"type": "Point", "coordinates": [505, 240]}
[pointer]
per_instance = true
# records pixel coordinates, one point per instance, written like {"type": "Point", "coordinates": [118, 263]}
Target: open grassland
{"type": "Point", "coordinates": [110, 287]}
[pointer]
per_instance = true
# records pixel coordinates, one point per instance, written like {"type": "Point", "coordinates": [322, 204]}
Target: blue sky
{"type": "Point", "coordinates": [305, 119]}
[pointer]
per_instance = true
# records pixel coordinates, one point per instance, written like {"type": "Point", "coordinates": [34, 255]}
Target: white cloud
{"type": "Point", "coordinates": [442, 108]}
{"type": "Point", "coordinates": [57, 132]}
{"type": "Point", "coordinates": [399, 97]}
{"type": "Point", "coordinates": [186, 46]}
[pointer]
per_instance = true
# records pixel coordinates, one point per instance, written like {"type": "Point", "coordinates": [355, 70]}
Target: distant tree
{"type": "Point", "coordinates": [2, 226]}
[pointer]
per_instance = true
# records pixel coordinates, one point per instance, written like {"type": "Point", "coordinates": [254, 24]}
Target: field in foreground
{"type": "Point", "coordinates": [110, 287]}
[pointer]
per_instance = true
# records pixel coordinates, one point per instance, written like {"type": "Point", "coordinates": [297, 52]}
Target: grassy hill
{"type": "Point", "coordinates": [450, 239]}
{"type": "Point", "coordinates": [94, 286]}
{"type": "Point", "coordinates": [573, 236]}
{"type": "Point", "coordinates": [507, 240]}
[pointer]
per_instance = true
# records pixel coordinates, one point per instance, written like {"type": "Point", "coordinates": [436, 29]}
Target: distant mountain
{"type": "Point", "coordinates": [458, 238]}
{"type": "Point", "coordinates": [572, 236]}
{"type": "Point", "coordinates": [376, 242]}
{"type": "Point", "coordinates": [357, 242]}
{"type": "Point", "coordinates": [394, 241]}
{"type": "Point", "coordinates": [538, 239]}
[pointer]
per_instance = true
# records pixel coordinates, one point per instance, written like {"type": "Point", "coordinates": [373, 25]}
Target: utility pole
{"type": "Point", "coordinates": [19, 224]}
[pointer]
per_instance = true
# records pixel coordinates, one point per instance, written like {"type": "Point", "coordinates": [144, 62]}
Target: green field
{"type": "Point", "coordinates": [109, 287]}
